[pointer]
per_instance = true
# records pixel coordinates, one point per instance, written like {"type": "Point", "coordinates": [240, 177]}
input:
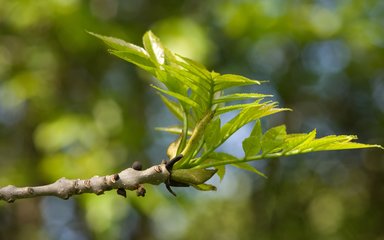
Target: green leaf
{"type": "Point", "coordinates": [178, 96]}
{"type": "Point", "coordinates": [294, 143]}
{"type": "Point", "coordinates": [173, 147]}
{"type": "Point", "coordinates": [221, 171]}
{"type": "Point", "coordinates": [194, 67]}
{"type": "Point", "coordinates": [201, 92]}
{"type": "Point", "coordinates": [247, 115]}
{"type": "Point", "coordinates": [221, 110]}
{"type": "Point", "coordinates": [194, 142]}
{"type": "Point", "coordinates": [232, 80]}
{"type": "Point", "coordinates": [248, 167]}
{"type": "Point", "coordinates": [333, 142]}
{"type": "Point", "coordinates": [173, 107]}
{"type": "Point", "coordinates": [212, 133]}
{"type": "Point", "coordinates": [120, 45]}
{"type": "Point", "coordinates": [184, 74]}
{"type": "Point", "coordinates": [192, 176]}
{"type": "Point", "coordinates": [173, 130]}
{"type": "Point", "coordinates": [136, 58]}
{"type": "Point", "coordinates": [154, 48]}
{"type": "Point", "coordinates": [273, 139]}
{"type": "Point", "coordinates": [128, 52]}
{"type": "Point", "coordinates": [252, 144]}
{"type": "Point", "coordinates": [239, 96]}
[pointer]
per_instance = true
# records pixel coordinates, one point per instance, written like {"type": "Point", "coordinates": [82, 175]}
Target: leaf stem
{"type": "Point", "coordinates": [253, 158]}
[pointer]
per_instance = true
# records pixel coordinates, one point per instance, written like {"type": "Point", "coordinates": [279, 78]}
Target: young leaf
{"type": "Point", "coordinates": [178, 96]}
{"type": "Point", "coordinates": [195, 139]}
{"type": "Point", "coordinates": [194, 67]}
{"type": "Point", "coordinates": [173, 107]}
{"type": "Point", "coordinates": [232, 80]}
{"type": "Point", "coordinates": [239, 96]}
{"type": "Point", "coordinates": [273, 139]}
{"type": "Point", "coordinates": [296, 142]}
{"type": "Point", "coordinates": [212, 138]}
{"type": "Point", "coordinates": [224, 109]}
{"type": "Point", "coordinates": [173, 130]}
{"type": "Point", "coordinates": [154, 48]}
{"type": "Point", "coordinates": [252, 144]}
{"type": "Point", "coordinates": [119, 44]}
{"type": "Point", "coordinates": [128, 52]}
{"type": "Point", "coordinates": [221, 172]}
{"type": "Point", "coordinates": [172, 148]}
{"type": "Point", "coordinates": [336, 143]}
{"type": "Point", "coordinates": [247, 115]}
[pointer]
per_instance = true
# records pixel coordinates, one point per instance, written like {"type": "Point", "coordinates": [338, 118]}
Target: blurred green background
{"type": "Point", "coordinates": [68, 108]}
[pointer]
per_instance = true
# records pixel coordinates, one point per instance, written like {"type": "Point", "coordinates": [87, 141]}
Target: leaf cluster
{"type": "Point", "coordinates": [197, 98]}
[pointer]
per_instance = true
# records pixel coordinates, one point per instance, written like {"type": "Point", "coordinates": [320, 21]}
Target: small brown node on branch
{"type": "Point", "coordinates": [140, 191]}
{"type": "Point", "coordinates": [30, 190]}
{"type": "Point", "coordinates": [157, 169]}
{"type": "Point", "coordinates": [115, 178]}
{"type": "Point", "coordinates": [99, 192]}
{"type": "Point", "coordinates": [87, 183]}
{"type": "Point", "coordinates": [122, 192]}
{"type": "Point", "coordinates": [137, 166]}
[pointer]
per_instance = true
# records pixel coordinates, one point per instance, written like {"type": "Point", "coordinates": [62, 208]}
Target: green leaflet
{"type": "Point", "coordinates": [173, 147]}
{"type": "Point", "coordinates": [221, 110]}
{"type": "Point", "coordinates": [295, 142]}
{"type": "Point", "coordinates": [173, 130]}
{"type": "Point", "coordinates": [142, 61]}
{"type": "Point", "coordinates": [276, 142]}
{"type": "Point", "coordinates": [211, 137]}
{"type": "Point", "coordinates": [196, 138]}
{"type": "Point", "coordinates": [247, 115]}
{"type": "Point", "coordinates": [273, 139]}
{"type": "Point", "coordinates": [195, 68]}
{"type": "Point", "coordinates": [239, 96]}
{"type": "Point", "coordinates": [252, 144]}
{"type": "Point", "coordinates": [154, 48]}
{"type": "Point", "coordinates": [221, 172]}
{"type": "Point", "coordinates": [232, 80]}
{"type": "Point", "coordinates": [173, 107]}
{"type": "Point", "coordinates": [335, 143]}
{"type": "Point", "coordinates": [128, 52]}
{"type": "Point", "coordinates": [120, 45]}
{"type": "Point", "coordinates": [178, 96]}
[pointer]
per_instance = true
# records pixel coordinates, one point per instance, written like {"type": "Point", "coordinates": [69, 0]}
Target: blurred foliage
{"type": "Point", "coordinates": [69, 109]}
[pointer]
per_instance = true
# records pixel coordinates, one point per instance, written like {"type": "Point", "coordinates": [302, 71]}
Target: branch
{"type": "Point", "coordinates": [128, 179]}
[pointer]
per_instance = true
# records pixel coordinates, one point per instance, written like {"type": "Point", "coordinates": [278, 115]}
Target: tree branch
{"type": "Point", "coordinates": [128, 179]}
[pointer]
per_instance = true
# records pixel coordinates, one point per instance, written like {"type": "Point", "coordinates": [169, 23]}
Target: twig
{"type": "Point", "coordinates": [128, 179]}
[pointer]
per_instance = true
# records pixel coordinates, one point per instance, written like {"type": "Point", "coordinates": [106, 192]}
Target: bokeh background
{"type": "Point", "coordinates": [68, 108]}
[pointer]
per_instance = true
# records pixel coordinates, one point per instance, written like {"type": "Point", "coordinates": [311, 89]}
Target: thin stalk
{"type": "Point", "coordinates": [253, 158]}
